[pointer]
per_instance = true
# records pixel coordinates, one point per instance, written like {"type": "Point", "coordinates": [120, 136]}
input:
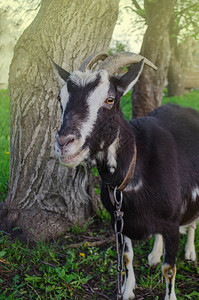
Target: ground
{"type": "Point", "coordinates": [82, 265]}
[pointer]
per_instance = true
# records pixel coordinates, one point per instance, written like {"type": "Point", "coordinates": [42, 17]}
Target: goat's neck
{"type": "Point", "coordinates": [114, 165]}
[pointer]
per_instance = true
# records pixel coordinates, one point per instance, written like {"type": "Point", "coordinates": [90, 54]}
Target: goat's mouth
{"type": "Point", "coordinates": [75, 159]}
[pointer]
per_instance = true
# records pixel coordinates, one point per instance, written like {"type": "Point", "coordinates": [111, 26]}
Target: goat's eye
{"type": "Point", "coordinates": [109, 100]}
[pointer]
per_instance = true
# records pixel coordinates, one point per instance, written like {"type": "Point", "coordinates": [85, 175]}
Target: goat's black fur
{"type": "Point", "coordinates": [167, 164]}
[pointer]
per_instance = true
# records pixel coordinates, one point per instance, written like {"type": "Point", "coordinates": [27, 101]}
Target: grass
{"type": "Point", "coordinates": [58, 270]}
{"type": "Point", "coordinates": [189, 100]}
{"type": "Point", "coordinates": [4, 142]}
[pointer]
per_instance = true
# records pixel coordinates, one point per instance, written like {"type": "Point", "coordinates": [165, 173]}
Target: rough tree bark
{"type": "Point", "coordinates": [182, 58]}
{"type": "Point", "coordinates": [42, 198]}
{"type": "Point", "coordinates": [147, 93]}
{"type": "Point", "coordinates": [175, 76]}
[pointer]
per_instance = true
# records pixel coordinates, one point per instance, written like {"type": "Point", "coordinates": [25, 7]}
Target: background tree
{"type": "Point", "coordinates": [147, 93]}
{"type": "Point", "coordinates": [43, 199]}
{"type": "Point", "coordinates": [184, 31]}
{"type": "Point", "coordinates": [165, 21]}
{"type": "Point", "coordinates": [15, 16]}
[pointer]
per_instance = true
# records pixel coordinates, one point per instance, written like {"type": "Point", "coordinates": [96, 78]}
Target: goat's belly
{"type": "Point", "coordinates": [137, 229]}
{"type": "Point", "coordinates": [190, 210]}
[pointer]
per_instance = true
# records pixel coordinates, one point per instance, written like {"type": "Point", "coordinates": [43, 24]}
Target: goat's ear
{"type": "Point", "coordinates": [128, 80]}
{"type": "Point", "coordinates": [62, 75]}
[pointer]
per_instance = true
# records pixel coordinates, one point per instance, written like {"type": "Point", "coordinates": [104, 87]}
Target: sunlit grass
{"type": "Point", "coordinates": [189, 100]}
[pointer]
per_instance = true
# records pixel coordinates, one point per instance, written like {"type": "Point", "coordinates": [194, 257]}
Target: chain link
{"type": "Point", "coordinates": [118, 229]}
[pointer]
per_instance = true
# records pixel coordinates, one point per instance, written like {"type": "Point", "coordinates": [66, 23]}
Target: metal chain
{"type": "Point", "coordinates": [119, 223]}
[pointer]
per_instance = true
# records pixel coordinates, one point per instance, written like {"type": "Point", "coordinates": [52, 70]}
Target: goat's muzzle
{"type": "Point", "coordinates": [70, 151]}
{"type": "Point", "coordinates": [65, 141]}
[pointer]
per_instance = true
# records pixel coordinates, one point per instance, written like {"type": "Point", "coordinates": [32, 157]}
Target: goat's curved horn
{"type": "Point", "coordinates": [118, 60]}
{"type": "Point", "coordinates": [92, 59]}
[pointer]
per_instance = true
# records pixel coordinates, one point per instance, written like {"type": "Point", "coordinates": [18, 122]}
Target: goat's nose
{"type": "Point", "coordinates": [65, 140]}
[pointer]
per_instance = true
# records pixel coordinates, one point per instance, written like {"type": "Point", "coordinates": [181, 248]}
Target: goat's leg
{"type": "Point", "coordinates": [129, 283]}
{"type": "Point", "coordinates": [171, 240]}
{"type": "Point", "coordinates": [154, 257]}
{"type": "Point", "coordinates": [190, 253]}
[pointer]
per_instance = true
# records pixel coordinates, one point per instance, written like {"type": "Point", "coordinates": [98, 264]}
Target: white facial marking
{"type": "Point", "coordinates": [64, 94]}
{"type": "Point", "coordinates": [129, 284]}
{"type": "Point", "coordinates": [112, 154]}
{"type": "Point", "coordinates": [83, 78]}
{"type": "Point", "coordinates": [95, 100]}
{"type": "Point", "coordinates": [195, 193]}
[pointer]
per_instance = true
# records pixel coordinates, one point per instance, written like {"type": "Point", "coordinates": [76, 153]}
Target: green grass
{"type": "Point", "coordinates": [189, 100]}
{"type": "Point", "coordinates": [53, 270]}
{"type": "Point", "coordinates": [56, 271]}
{"type": "Point", "coordinates": [4, 142]}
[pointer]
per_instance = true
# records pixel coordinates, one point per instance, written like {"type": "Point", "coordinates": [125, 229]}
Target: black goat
{"type": "Point", "coordinates": [163, 193]}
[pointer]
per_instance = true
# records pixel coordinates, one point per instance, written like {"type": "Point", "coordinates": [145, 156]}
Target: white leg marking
{"type": "Point", "coordinates": [154, 257]}
{"type": "Point", "coordinates": [129, 284]}
{"type": "Point", "coordinates": [190, 253]}
{"type": "Point", "coordinates": [169, 275]}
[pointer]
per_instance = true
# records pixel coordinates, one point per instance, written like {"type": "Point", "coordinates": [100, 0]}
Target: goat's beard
{"type": "Point", "coordinates": [80, 182]}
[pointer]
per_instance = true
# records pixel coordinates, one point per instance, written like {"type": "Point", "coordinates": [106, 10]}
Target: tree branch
{"type": "Point", "coordinates": [136, 4]}
{"type": "Point", "coordinates": [90, 244]}
{"type": "Point", "coordinates": [186, 8]}
{"type": "Point", "coordinates": [139, 11]}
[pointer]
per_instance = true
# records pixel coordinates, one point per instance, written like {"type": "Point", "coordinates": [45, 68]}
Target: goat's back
{"type": "Point", "coordinates": [183, 124]}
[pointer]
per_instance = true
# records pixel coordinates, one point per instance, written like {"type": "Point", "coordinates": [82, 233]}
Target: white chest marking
{"type": "Point", "coordinates": [112, 154]}
{"type": "Point", "coordinates": [100, 155]}
{"type": "Point", "coordinates": [136, 188]}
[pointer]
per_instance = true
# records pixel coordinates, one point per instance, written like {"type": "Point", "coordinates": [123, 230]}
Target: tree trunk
{"type": "Point", "coordinates": [175, 77]}
{"type": "Point", "coordinates": [43, 199]}
{"type": "Point", "coordinates": [147, 93]}
{"type": "Point", "coordinates": [182, 58]}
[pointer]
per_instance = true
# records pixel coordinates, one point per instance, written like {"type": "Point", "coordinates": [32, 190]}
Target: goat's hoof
{"type": "Point", "coordinates": [153, 260]}
{"type": "Point", "coordinates": [190, 254]}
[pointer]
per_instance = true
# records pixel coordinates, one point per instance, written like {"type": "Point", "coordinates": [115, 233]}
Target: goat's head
{"type": "Point", "coordinates": [90, 103]}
